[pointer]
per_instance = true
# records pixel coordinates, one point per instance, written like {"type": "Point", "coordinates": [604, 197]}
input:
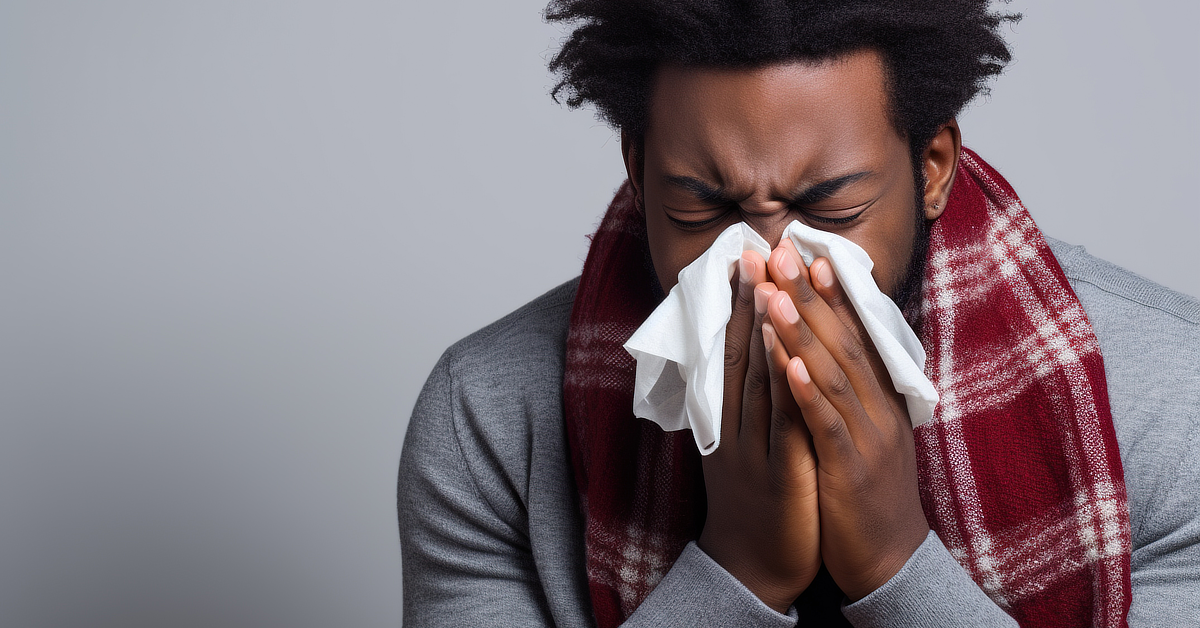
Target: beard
{"type": "Point", "coordinates": [907, 294]}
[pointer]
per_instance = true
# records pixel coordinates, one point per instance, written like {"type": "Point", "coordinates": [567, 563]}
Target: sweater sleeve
{"type": "Point", "coordinates": [698, 592]}
{"type": "Point", "coordinates": [1166, 553]}
{"type": "Point", "coordinates": [476, 542]}
{"type": "Point", "coordinates": [466, 542]}
{"type": "Point", "coordinates": [1150, 339]}
{"type": "Point", "coordinates": [932, 589]}
{"type": "Point", "coordinates": [465, 554]}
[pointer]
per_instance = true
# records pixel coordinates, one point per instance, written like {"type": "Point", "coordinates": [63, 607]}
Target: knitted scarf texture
{"type": "Point", "coordinates": [1019, 471]}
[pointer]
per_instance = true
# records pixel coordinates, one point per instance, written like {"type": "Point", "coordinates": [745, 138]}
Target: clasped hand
{"type": "Point", "coordinates": [816, 462]}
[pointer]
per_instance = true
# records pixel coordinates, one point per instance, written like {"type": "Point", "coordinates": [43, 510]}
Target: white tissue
{"type": "Point", "coordinates": [680, 349]}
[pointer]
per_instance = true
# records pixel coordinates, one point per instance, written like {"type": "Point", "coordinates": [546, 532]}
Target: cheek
{"type": "Point", "coordinates": [670, 250]}
{"type": "Point", "coordinates": [891, 263]}
{"type": "Point", "coordinates": [889, 241]}
{"type": "Point", "coordinates": [661, 252]}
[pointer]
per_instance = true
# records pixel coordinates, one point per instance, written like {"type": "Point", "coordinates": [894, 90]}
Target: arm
{"type": "Point", "coordinates": [698, 592]}
{"type": "Point", "coordinates": [874, 537]}
{"type": "Point", "coordinates": [465, 553]}
{"type": "Point", "coordinates": [1150, 338]}
{"type": "Point", "coordinates": [1166, 534]}
{"type": "Point", "coordinates": [762, 526]}
{"type": "Point", "coordinates": [932, 589]}
{"type": "Point", "coordinates": [478, 545]}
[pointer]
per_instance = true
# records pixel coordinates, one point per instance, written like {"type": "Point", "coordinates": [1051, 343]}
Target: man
{"type": "Point", "coordinates": [1051, 487]}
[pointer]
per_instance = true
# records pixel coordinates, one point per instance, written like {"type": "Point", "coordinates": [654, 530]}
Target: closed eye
{"type": "Point", "coordinates": [833, 221]}
{"type": "Point", "coordinates": [817, 216]}
{"type": "Point", "coordinates": [697, 224]}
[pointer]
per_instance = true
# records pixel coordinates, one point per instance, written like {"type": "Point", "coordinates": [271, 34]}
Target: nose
{"type": "Point", "coordinates": [769, 221]}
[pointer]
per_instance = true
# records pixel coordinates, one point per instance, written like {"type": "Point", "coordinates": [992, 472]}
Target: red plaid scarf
{"type": "Point", "coordinates": [1019, 470]}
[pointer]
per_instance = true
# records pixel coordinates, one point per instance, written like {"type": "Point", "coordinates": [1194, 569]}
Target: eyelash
{"type": "Point", "coordinates": [697, 224]}
{"type": "Point", "coordinates": [700, 224]}
{"type": "Point", "coordinates": [834, 221]}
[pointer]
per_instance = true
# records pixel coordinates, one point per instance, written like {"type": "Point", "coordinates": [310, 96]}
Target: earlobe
{"type": "Point", "coordinates": [633, 164]}
{"type": "Point", "coordinates": [941, 166]}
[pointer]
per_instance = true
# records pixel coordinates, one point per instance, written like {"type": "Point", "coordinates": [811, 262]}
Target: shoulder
{"type": "Point", "coordinates": [1149, 338]}
{"type": "Point", "coordinates": [485, 497]}
{"type": "Point", "coordinates": [1108, 286]}
{"type": "Point", "coordinates": [493, 398]}
{"type": "Point", "coordinates": [1149, 335]}
{"type": "Point", "coordinates": [527, 343]}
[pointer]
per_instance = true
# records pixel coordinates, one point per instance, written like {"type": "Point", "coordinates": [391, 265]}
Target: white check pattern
{"type": "Point", "coordinates": [1019, 471]}
{"type": "Point", "coordinates": [1091, 533]}
{"type": "Point", "coordinates": [632, 556]}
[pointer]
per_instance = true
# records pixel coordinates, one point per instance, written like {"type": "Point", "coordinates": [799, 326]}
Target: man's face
{"type": "Point", "coordinates": [795, 141]}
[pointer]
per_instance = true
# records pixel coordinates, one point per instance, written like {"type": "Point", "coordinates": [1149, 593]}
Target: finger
{"type": "Point", "coordinates": [790, 443]}
{"type": "Point", "coordinates": [737, 340]}
{"type": "Point", "coordinates": [844, 343]}
{"type": "Point", "coordinates": [800, 341]}
{"type": "Point", "coordinates": [826, 283]}
{"type": "Point", "coordinates": [756, 394]}
{"type": "Point", "coordinates": [831, 437]}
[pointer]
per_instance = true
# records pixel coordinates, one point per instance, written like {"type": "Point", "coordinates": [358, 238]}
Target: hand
{"type": "Point", "coordinates": [762, 523]}
{"type": "Point", "coordinates": [870, 508]}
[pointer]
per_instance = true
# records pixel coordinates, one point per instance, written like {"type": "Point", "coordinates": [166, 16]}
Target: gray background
{"type": "Point", "coordinates": [234, 237]}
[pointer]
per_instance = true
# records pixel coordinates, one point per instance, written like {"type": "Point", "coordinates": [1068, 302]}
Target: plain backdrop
{"type": "Point", "coordinates": [235, 236]}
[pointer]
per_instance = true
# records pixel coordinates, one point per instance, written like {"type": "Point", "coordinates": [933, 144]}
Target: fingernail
{"type": "Point", "coordinates": [768, 337]}
{"type": "Point", "coordinates": [745, 270]}
{"type": "Point", "coordinates": [788, 267]}
{"type": "Point", "coordinates": [825, 274]}
{"type": "Point", "coordinates": [788, 309]}
{"type": "Point", "coordinates": [801, 370]}
{"type": "Point", "coordinates": [760, 299]}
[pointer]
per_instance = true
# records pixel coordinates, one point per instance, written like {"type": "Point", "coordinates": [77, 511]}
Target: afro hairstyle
{"type": "Point", "coordinates": [938, 54]}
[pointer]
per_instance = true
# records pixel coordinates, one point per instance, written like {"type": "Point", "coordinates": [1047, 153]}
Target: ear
{"type": "Point", "coordinates": [941, 166]}
{"type": "Point", "coordinates": [631, 153]}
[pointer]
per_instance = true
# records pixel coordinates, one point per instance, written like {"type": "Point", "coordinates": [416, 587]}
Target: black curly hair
{"type": "Point", "coordinates": [938, 53]}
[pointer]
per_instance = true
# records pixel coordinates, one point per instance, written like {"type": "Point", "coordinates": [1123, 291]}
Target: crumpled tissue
{"type": "Point", "coordinates": [680, 349]}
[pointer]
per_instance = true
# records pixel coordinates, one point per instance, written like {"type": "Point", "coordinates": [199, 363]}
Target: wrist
{"type": "Point", "coordinates": [889, 564]}
{"type": "Point", "coordinates": [775, 594]}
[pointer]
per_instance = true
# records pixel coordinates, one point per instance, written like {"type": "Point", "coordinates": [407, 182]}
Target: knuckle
{"type": "Point", "coordinates": [804, 335]}
{"type": "Point", "coordinates": [814, 400]}
{"type": "Point", "coordinates": [860, 478]}
{"type": "Point", "coordinates": [850, 346]}
{"type": "Point", "coordinates": [840, 385]}
{"type": "Point", "coordinates": [888, 431]}
{"type": "Point", "coordinates": [757, 383]}
{"type": "Point", "coordinates": [735, 353]}
{"type": "Point", "coordinates": [805, 295]}
{"type": "Point", "coordinates": [867, 345]}
{"type": "Point", "coordinates": [832, 427]}
{"type": "Point", "coordinates": [779, 419]}
{"type": "Point", "coordinates": [838, 301]}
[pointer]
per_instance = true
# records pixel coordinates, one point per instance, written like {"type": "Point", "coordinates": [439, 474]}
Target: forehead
{"type": "Point", "coordinates": [814, 112]}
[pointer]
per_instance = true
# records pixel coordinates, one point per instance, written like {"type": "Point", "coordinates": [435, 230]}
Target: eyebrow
{"type": "Point", "coordinates": [701, 190]}
{"type": "Point", "coordinates": [709, 193]}
{"type": "Point", "coordinates": [825, 189]}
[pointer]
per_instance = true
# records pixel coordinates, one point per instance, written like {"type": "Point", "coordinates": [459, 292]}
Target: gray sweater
{"type": "Point", "coordinates": [491, 532]}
